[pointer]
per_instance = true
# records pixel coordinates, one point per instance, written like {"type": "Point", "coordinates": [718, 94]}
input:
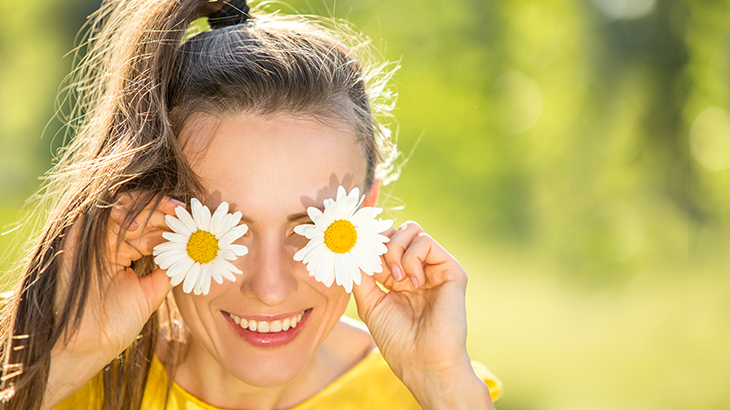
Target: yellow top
{"type": "Point", "coordinates": [384, 391]}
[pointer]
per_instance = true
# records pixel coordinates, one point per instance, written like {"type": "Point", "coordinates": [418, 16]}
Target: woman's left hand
{"type": "Point", "coordinates": [419, 324]}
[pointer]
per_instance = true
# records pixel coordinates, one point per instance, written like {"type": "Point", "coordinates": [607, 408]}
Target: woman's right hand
{"type": "Point", "coordinates": [116, 309]}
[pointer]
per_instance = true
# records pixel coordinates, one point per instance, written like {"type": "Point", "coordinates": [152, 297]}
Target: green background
{"type": "Point", "coordinates": [574, 155]}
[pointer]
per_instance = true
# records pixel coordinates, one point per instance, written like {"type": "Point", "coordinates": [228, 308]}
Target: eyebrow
{"type": "Point", "coordinates": [246, 219]}
{"type": "Point", "coordinates": [301, 215]}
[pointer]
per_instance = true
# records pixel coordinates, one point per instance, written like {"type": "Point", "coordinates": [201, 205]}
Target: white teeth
{"type": "Point", "coordinates": [273, 326]}
{"type": "Point", "coordinates": [263, 327]}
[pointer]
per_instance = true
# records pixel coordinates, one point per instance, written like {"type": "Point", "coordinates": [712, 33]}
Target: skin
{"type": "Point", "coordinates": [271, 169]}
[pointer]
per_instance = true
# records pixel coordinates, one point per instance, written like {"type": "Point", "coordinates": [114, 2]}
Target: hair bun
{"type": "Point", "coordinates": [233, 12]}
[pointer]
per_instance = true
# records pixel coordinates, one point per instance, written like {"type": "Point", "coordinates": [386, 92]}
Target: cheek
{"type": "Point", "coordinates": [191, 307]}
{"type": "Point", "coordinates": [336, 296]}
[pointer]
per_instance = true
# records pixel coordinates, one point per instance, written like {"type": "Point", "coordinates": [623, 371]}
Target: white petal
{"type": "Point", "coordinates": [303, 229]}
{"type": "Point", "coordinates": [340, 269]}
{"type": "Point", "coordinates": [232, 235]}
{"type": "Point", "coordinates": [177, 225]}
{"type": "Point", "coordinates": [229, 222]}
{"type": "Point", "coordinates": [196, 209]}
{"type": "Point", "coordinates": [341, 193]}
{"type": "Point", "coordinates": [176, 280]}
{"type": "Point", "coordinates": [329, 278]}
{"type": "Point", "coordinates": [327, 218]}
{"type": "Point", "coordinates": [216, 221]}
{"type": "Point", "coordinates": [374, 261]}
{"type": "Point", "coordinates": [204, 272]}
{"type": "Point", "coordinates": [168, 246]}
{"type": "Point", "coordinates": [180, 267]}
{"type": "Point", "coordinates": [227, 269]}
{"type": "Point", "coordinates": [299, 256]}
{"type": "Point", "coordinates": [381, 225]}
{"type": "Point", "coordinates": [326, 271]}
{"type": "Point", "coordinates": [342, 274]}
{"type": "Point", "coordinates": [223, 265]}
{"type": "Point", "coordinates": [362, 262]}
{"type": "Point", "coordinates": [352, 204]}
{"type": "Point", "coordinates": [167, 259]}
{"type": "Point", "coordinates": [234, 218]}
{"type": "Point", "coordinates": [305, 254]}
{"type": "Point", "coordinates": [239, 250]}
{"type": "Point", "coordinates": [191, 278]}
{"type": "Point", "coordinates": [206, 217]}
{"type": "Point", "coordinates": [201, 214]}
{"type": "Point", "coordinates": [175, 237]}
{"type": "Point", "coordinates": [353, 269]}
{"type": "Point", "coordinates": [227, 254]}
{"type": "Point", "coordinates": [339, 209]}
{"type": "Point", "coordinates": [363, 216]}
{"type": "Point", "coordinates": [317, 249]}
{"type": "Point", "coordinates": [215, 273]}
{"type": "Point", "coordinates": [316, 258]}
{"type": "Point", "coordinates": [315, 234]}
{"type": "Point", "coordinates": [185, 218]}
{"type": "Point", "coordinates": [206, 284]}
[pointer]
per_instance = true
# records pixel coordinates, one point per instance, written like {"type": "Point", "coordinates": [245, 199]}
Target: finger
{"type": "Point", "coordinates": [399, 242]}
{"type": "Point", "coordinates": [146, 243]}
{"type": "Point", "coordinates": [168, 205]}
{"type": "Point", "coordinates": [148, 218]}
{"type": "Point", "coordinates": [155, 286]}
{"type": "Point", "coordinates": [428, 262]}
{"type": "Point", "coordinates": [367, 295]}
{"type": "Point", "coordinates": [414, 258]}
{"type": "Point", "coordinates": [118, 214]}
{"type": "Point", "coordinates": [123, 254]}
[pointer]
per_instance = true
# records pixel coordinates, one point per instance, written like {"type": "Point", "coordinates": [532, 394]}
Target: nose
{"type": "Point", "coordinates": [268, 274]}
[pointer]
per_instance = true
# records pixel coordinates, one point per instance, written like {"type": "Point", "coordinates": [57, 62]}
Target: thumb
{"type": "Point", "coordinates": [367, 295]}
{"type": "Point", "coordinates": [155, 286]}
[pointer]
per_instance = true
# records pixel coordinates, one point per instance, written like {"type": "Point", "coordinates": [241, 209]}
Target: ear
{"type": "Point", "coordinates": [372, 197]}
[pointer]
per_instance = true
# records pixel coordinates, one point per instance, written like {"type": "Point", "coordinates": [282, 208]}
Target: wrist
{"type": "Point", "coordinates": [68, 373]}
{"type": "Point", "coordinates": [449, 388]}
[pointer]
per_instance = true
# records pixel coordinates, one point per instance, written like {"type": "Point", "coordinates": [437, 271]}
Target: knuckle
{"type": "Point", "coordinates": [411, 225]}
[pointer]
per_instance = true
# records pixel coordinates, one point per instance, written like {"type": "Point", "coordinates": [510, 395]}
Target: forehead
{"type": "Point", "coordinates": [281, 162]}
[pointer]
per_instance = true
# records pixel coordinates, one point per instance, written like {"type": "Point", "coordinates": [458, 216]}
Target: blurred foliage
{"type": "Point", "coordinates": [574, 155]}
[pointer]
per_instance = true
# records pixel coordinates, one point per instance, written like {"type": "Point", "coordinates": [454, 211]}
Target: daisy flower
{"type": "Point", "coordinates": [200, 247]}
{"type": "Point", "coordinates": [343, 240]}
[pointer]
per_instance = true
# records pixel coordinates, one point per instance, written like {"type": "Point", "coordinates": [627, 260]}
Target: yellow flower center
{"type": "Point", "coordinates": [340, 236]}
{"type": "Point", "coordinates": [202, 246]}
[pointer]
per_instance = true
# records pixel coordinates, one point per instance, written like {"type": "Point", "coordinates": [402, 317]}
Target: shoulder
{"type": "Point", "coordinates": [370, 384]}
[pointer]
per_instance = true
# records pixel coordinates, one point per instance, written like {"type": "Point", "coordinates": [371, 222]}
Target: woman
{"type": "Point", "coordinates": [271, 115]}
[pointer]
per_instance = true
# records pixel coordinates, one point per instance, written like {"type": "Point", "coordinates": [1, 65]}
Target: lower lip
{"type": "Point", "coordinates": [268, 340]}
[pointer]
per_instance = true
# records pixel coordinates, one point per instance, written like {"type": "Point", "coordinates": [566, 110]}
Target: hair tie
{"type": "Point", "coordinates": [233, 12]}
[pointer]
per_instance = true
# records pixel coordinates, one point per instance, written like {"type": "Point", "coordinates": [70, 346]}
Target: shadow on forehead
{"type": "Point", "coordinates": [214, 198]}
{"type": "Point", "coordinates": [330, 191]}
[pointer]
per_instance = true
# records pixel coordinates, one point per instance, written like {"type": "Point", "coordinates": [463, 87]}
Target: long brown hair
{"type": "Point", "coordinates": [140, 78]}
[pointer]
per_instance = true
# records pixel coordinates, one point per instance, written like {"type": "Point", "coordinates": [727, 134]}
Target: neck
{"type": "Point", "coordinates": [200, 376]}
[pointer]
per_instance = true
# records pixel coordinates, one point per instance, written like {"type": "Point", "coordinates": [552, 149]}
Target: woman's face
{"type": "Point", "coordinates": [270, 169]}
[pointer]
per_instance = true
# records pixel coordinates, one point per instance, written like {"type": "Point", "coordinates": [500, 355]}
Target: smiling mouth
{"type": "Point", "coordinates": [273, 326]}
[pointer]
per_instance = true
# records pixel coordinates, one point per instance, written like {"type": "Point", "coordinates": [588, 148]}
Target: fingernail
{"type": "Point", "coordinates": [397, 274]}
{"type": "Point", "coordinates": [414, 281]}
{"type": "Point", "coordinates": [133, 226]}
{"type": "Point", "coordinates": [178, 203]}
